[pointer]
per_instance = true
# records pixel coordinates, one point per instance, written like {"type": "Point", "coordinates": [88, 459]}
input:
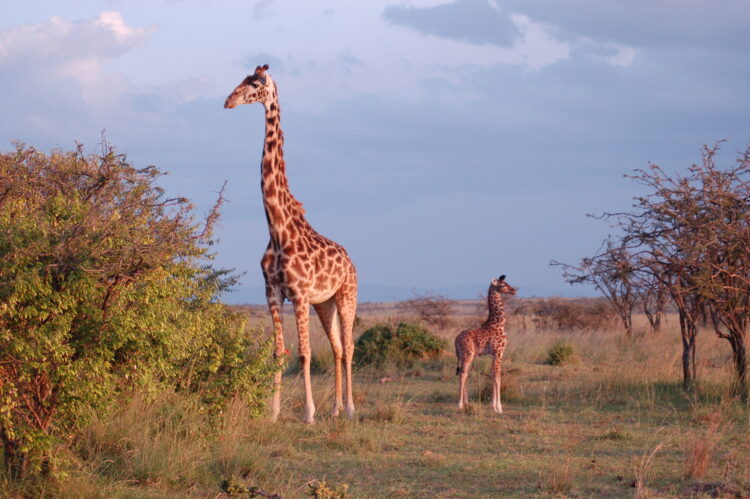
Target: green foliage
{"type": "Point", "coordinates": [402, 346]}
{"type": "Point", "coordinates": [321, 490]}
{"type": "Point", "coordinates": [105, 286]}
{"type": "Point", "coordinates": [559, 353]}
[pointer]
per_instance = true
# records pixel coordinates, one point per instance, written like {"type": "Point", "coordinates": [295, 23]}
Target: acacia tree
{"type": "Point", "coordinates": [105, 286]}
{"type": "Point", "coordinates": [689, 237]}
{"type": "Point", "coordinates": [611, 271]}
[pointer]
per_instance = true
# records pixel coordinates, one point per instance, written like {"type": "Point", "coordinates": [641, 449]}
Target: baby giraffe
{"type": "Point", "coordinates": [490, 339]}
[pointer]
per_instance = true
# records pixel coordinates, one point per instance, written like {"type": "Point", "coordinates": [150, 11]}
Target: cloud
{"type": "Point", "coordinates": [474, 21]}
{"type": "Point", "coordinates": [646, 24]}
{"type": "Point", "coordinates": [69, 48]}
{"type": "Point", "coordinates": [55, 81]}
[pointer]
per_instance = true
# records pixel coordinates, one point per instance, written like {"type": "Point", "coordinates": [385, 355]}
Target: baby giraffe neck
{"type": "Point", "coordinates": [496, 308]}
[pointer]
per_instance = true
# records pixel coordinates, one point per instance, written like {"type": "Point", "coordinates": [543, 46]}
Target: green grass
{"type": "Point", "coordinates": [617, 423]}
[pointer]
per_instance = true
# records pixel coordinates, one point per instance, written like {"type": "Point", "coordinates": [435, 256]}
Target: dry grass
{"type": "Point", "coordinates": [615, 424]}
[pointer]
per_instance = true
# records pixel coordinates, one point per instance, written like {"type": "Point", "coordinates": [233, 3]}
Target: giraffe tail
{"type": "Point", "coordinates": [459, 367]}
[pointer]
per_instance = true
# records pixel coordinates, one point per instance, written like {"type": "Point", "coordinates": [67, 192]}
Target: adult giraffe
{"type": "Point", "coordinates": [299, 264]}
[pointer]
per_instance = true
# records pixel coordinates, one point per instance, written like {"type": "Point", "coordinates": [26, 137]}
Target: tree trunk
{"type": "Point", "coordinates": [739, 355]}
{"type": "Point", "coordinates": [13, 457]}
{"type": "Point", "coordinates": [627, 322]}
{"type": "Point", "coordinates": [688, 332]}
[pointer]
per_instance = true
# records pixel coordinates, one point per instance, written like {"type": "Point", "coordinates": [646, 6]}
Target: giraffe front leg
{"type": "Point", "coordinates": [302, 314]}
{"type": "Point", "coordinates": [275, 304]}
{"type": "Point", "coordinates": [497, 405]}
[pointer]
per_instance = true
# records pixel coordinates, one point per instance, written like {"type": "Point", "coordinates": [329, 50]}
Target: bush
{"type": "Point", "coordinates": [559, 353]}
{"type": "Point", "coordinates": [105, 285]}
{"type": "Point", "coordinates": [402, 346]}
{"type": "Point", "coordinates": [433, 309]}
{"type": "Point", "coordinates": [571, 315]}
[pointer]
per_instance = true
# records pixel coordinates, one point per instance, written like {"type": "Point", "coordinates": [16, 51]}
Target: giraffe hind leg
{"type": "Point", "coordinates": [329, 318]}
{"type": "Point", "coordinates": [465, 362]}
{"type": "Point", "coordinates": [346, 303]}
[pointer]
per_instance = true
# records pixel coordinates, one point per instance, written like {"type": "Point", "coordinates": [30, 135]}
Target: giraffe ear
{"type": "Point", "coordinates": [501, 278]}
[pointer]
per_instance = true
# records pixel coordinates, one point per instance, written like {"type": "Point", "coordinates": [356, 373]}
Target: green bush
{"type": "Point", "coordinates": [402, 346]}
{"type": "Point", "coordinates": [106, 286]}
{"type": "Point", "coordinates": [559, 353]}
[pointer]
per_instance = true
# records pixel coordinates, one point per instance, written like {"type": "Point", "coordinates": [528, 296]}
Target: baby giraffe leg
{"type": "Point", "coordinates": [497, 405]}
{"type": "Point", "coordinates": [463, 375]}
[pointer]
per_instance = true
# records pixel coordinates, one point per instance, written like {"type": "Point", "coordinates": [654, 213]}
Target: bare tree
{"type": "Point", "coordinates": [429, 307]}
{"type": "Point", "coordinates": [611, 272]}
{"type": "Point", "coordinates": [688, 240]}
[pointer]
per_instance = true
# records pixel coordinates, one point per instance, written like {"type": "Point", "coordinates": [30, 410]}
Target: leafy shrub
{"type": "Point", "coordinates": [321, 490]}
{"type": "Point", "coordinates": [559, 353]}
{"type": "Point", "coordinates": [105, 285]}
{"type": "Point", "coordinates": [402, 346]}
{"type": "Point", "coordinates": [321, 362]}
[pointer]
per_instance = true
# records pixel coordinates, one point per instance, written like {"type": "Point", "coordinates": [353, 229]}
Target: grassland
{"type": "Point", "coordinates": [613, 421]}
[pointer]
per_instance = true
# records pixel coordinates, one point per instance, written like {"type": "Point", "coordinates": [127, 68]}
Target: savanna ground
{"type": "Point", "coordinates": [611, 421]}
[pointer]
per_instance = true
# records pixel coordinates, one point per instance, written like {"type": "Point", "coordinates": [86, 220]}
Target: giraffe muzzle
{"type": "Point", "coordinates": [230, 103]}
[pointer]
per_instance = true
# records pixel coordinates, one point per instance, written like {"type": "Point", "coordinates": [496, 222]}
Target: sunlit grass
{"type": "Point", "coordinates": [615, 423]}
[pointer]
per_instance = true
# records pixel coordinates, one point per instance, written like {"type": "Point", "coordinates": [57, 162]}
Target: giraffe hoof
{"type": "Point", "coordinates": [310, 417]}
{"type": "Point", "coordinates": [350, 412]}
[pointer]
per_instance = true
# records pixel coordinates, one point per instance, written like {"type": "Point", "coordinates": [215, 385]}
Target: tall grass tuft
{"type": "Point", "coordinates": [701, 448]}
{"type": "Point", "coordinates": [559, 353]}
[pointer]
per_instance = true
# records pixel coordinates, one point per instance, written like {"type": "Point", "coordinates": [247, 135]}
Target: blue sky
{"type": "Point", "coordinates": [441, 142]}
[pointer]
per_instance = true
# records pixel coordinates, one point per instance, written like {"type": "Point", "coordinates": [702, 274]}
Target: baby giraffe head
{"type": "Point", "coordinates": [257, 87]}
{"type": "Point", "coordinates": [500, 286]}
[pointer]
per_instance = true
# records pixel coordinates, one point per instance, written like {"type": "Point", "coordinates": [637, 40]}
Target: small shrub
{"type": "Point", "coordinates": [615, 434]}
{"type": "Point", "coordinates": [559, 353]}
{"type": "Point", "coordinates": [403, 346]}
{"type": "Point", "coordinates": [388, 413]}
{"type": "Point", "coordinates": [321, 362]}
{"type": "Point", "coordinates": [321, 490]}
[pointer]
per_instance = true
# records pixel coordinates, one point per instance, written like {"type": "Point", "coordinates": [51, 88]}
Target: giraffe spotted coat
{"type": "Point", "coordinates": [299, 264]}
{"type": "Point", "coordinates": [489, 339]}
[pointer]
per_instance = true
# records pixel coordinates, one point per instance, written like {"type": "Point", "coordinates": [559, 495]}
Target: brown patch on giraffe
{"type": "Point", "coordinates": [298, 267]}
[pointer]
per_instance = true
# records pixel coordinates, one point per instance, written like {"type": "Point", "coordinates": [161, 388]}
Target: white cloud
{"type": "Point", "coordinates": [54, 72]}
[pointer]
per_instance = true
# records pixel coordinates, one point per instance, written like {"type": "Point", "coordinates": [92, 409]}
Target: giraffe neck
{"type": "Point", "coordinates": [496, 306]}
{"type": "Point", "coordinates": [281, 207]}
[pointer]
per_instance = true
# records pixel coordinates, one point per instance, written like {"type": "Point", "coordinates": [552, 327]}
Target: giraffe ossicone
{"type": "Point", "coordinates": [299, 264]}
{"type": "Point", "coordinates": [489, 339]}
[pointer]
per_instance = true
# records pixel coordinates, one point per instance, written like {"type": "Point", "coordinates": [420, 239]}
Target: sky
{"type": "Point", "coordinates": [441, 142]}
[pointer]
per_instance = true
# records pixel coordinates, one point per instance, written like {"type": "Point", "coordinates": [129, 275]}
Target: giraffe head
{"type": "Point", "coordinates": [257, 87]}
{"type": "Point", "coordinates": [500, 286]}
